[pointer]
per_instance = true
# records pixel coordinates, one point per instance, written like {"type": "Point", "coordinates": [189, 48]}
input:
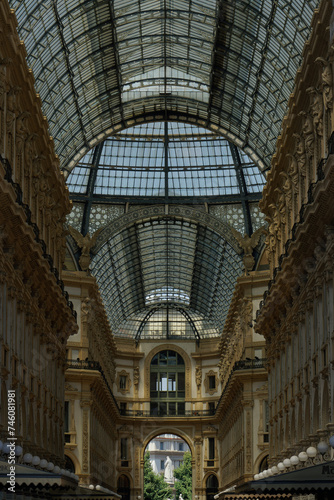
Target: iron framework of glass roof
{"type": "Point", "coordinates": [138, 95]}
{"type": "Point", "coordinates": [165, 162]}
{"type": "Point", "coordinates": [195, 265]}
{"type": "Point", "coordinates": [103, 66]}
{"type": "Point", "coordinates": [166, 274]}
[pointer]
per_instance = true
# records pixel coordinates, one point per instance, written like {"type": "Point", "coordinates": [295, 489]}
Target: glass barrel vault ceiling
{"type": "Point", "coordinates": [166, 160]}
{"type": "Point", "coordinates": [166, 276]}
{"type": "Point", "coordinates": [101, 66]}
{"type": "Point", "coordinates": [167, 264]}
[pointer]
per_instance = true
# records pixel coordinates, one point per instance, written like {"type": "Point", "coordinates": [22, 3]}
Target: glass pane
{"type": "Point", "coordinates": [172, 408]}
{"type": "Point", "coordinates": [180, 360]}
{"type": "Point", "coordinates": [171, 382]}
{"type": "Point", "coordinates": [154, 408]}
{"type": "Point", "coordinates": [163, 409]}
{"type": "Point", "coordinates": [180, 408]}
{"type": "Point", "coordinates": [181, 382]}
{"type": "Point", "coordinates": [211, 448]}
{"type": "Point", "coordinates": [212, 382]}
{"type": "Point", "coordinates": [171, 357]}
{"type": "Point", "coordinates": [163, 382]}
{"type": "Point", "coordinates": [155, 360]}
{"type": "Point", "coordinates": [154, 382]}
{"type": "Point", "coordinates": [163, 358]}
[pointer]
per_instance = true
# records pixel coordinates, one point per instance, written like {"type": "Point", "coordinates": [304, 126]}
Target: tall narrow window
{"type": "Point", "coordinates": [124, 452]}
{"type": "Point", "coordinates": [66, 415]}
{"type": "Point", "coordinates": [66, 421]}
{"type": "Point", "coordinates": [211, 451]}
{"type": "Point", "coordinates": [167, 384]}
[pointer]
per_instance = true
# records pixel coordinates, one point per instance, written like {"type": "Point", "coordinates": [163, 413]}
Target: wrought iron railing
{"type": "Point", "coordinates": [243, 364]}
{"type": "Point", "coordinates": [154, 413]}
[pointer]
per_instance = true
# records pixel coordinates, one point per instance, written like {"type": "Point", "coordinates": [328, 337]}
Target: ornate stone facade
{"type": "Point", "coordinates": [36, 317]}
{"type": "Point", "coordinates": [296, 314]}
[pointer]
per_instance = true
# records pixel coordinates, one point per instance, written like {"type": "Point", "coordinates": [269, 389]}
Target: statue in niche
{"type": "Point", "coordinates": [274, 228]}
{"type": "Point", "coordinates": [29, 153]}
{"type": "Point", "coordinates": [136, 375]}
{"type": "Point", "coordinates": [300, 154]}
{"type": "Point", "coordinates": [168, 474]}
{"type": "Point", "coordinates": [198, 376]}
{"type": "Point", "coordinates": [37, 172]}
{"type": "Point", "coordinates": [287, 189]}
{"type": "Point", "coordinates": [248, 243]}
{"type": "Point", "coordinates": [10, 119]}
{"type": "Point", "coordinates": [308, 133]}
{"type": "Point", "coordinates": [86, 243]}
{"type": "Point", "coordinates": [293, 172]}
{"type": "Point", "coordinates": [21, 131]}
{"type": "Point", "coordinates": [316, 109]}
{"type": "Point", "coordinates": [85, 307]}
{"type": "Point", "coordinates": [327, 82]}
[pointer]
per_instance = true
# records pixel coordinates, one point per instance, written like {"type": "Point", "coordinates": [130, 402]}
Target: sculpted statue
{"type": "Point", "coordinates": [37, 172]}
{"type": "Point", "coordinates": [198, 376]}
{"type": "Point", "coordinates": [248, 243]}
{"type": "Point", "coordinates": [308, 133]}
{"type": "Point", "coordinates": [293, 172]}
{"type": "Point", "coordinates": [21, 131]}
{"type": "Point", "coordinates": [300, 154]}
{"type": "Point", "coordinates": [168, 470]}
{"type": "Point", "coordinates": [287, 189]}
{"type": "Point", "coordinates": [10, 119]}
{"type": "Point", "coordinates": [316, 109]}
{"type": "Point", "coordinates": [327, 82]}
{"type": "Point", "coordinates": [136, 375]}
{"type": "Point", "coordinates": [86, 243]}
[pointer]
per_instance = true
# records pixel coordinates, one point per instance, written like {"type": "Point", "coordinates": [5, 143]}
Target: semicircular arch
{"type": "Point", "coordinates": [168, 430]}
{"type": "Point", "coordinates": [206, 477]}
{"type": "Point", "coordinates": [75, 461]}
{"type": "Point", "coordinates": [169, 347]}
{"type": "Point", "coordinates": [191, 118]}
{"type": "Point", "coordinates": [174, 212]}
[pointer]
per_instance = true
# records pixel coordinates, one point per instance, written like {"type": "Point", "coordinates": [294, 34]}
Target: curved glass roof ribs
{"type": "Point", "coordinates": [166, 264]}
{"type": "Point", "coordinates": [226, 65]}
{"type": "Point", "coordinates": [170, 162]}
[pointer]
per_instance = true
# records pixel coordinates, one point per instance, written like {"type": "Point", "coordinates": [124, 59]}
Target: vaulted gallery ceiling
{"type": "Point", "coordinates": [159, 102]}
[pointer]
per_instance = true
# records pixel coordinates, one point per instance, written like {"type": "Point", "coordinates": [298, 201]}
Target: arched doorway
{"type": "Point", "coordinates": [264, 464]}
{"type": "Point", "coordinates": [123, 487]}
{"type": "Point", "coordinates": [168, 467]}
{"type": "Point", "coordinates": [211, 487]}
{"type": "Point", "coordinates": [69, 464]}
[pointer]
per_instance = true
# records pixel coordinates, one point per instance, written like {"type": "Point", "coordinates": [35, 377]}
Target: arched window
{"type": "Point", "coordinates": [167, 384]}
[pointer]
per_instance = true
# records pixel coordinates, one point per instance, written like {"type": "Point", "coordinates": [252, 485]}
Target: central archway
{"type": "Point", "coordinates": [168, 466]}
{"type": "Point", "coordinates": [180, 436]}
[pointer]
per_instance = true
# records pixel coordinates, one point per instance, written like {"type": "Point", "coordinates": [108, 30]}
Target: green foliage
{"type": "Point", "coordinates": [183, 474]}
{"type": "Point", "coordinates": [155, 487]}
